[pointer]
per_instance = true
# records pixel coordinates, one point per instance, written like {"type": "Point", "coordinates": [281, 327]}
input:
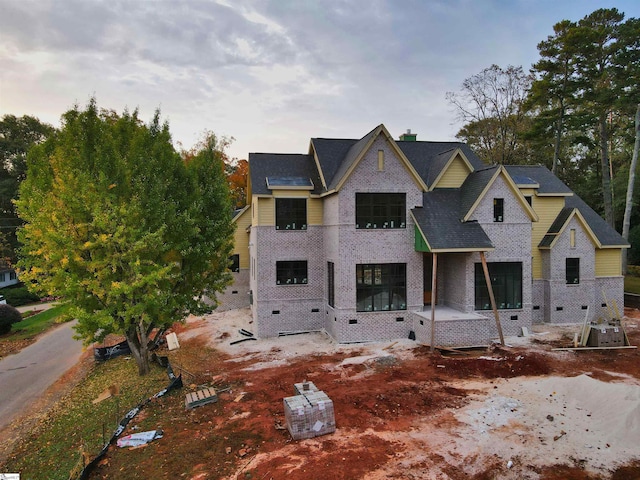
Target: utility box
{"type": "Point", "coordinates": [606, 336]}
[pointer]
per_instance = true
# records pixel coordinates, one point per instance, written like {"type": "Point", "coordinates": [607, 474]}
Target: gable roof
{"type": "Point", "coordinates": [439, 223]}
{"type": "Point", "coordinates": [606, 235]}
{"type": "Point", "coordinates": [478, 183]}
{"type": "Point", "coordinates": [548, 183]}
{"type": "Point", "coordinates": [560, 224]}
{"type": "Point", "coordinates": [284, 165]}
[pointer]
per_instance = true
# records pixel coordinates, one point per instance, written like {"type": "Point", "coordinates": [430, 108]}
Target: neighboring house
{"type": "Point", "coordinates": [8, 277]}
{"type": "Point", "coordinates": [346, 239]}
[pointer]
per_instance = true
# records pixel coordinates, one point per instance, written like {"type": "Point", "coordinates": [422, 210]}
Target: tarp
{"type": "Point", "coordinates": [100, 354]}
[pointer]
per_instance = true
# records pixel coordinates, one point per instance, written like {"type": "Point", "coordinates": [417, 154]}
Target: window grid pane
{"type": "Point", "coordinates": [291, 272]}
{"type": "Point", "coordinates": [573, 271]}
{"type": "Point", "coordinates": [506, 280]}
{"type": "Point", "coordinates": [381, 287]}
{"type": "Point", "coordinates": [380, 210]}
{"type": "Point", "coordinates": [291, 214]}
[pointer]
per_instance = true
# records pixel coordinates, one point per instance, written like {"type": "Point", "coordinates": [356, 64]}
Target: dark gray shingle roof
{"type": "Point", "coordinates": [548, 182]}
{"type": "Point", "coordinates": [331, 152]}
{"type": "Point", "coordinates": [473, 187]}
{"type": "Point", "coordinates": [263, 165]}
{"type": "Point", "coordinates": [601, 229]}
{"type": "Point", "coordinates": [439, 220]}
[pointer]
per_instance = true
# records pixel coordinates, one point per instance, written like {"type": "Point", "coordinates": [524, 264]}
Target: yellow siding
{"type": "Point", "coordinates": [241, 238]}
{"type": "Point", "coordinates": [455, 175]}
{"type": "Point", "coordinates": [314, 211]}
{"type": "Point", "coordinates": [266, 214]}
{"type": "Point", "coordinates": [608, 262]}
{"type": "Point", "coordinates": [547, 209]}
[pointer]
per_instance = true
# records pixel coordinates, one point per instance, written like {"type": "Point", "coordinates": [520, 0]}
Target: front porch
{"type": "Point", "coordinates": [453, 327]}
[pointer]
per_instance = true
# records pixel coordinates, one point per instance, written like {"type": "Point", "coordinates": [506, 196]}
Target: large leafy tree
{"type": "Point", "coordinates": [118, 224]}
{"type": "Point", "coordinates": [491, 103]}
{"type": "Point", "coordinates": [17, 136]}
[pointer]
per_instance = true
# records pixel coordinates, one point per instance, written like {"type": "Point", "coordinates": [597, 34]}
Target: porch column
{"type": "Point", "coordinates": [487, 279]}
{"type": "Point", "coordinates": [434, 291]}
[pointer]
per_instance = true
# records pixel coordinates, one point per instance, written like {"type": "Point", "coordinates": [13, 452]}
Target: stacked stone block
{"type": "Point", "coordinates": [310, 413]}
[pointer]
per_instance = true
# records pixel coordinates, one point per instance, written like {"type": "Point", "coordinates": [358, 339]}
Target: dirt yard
{"type": "Point", "coordinates": [521, 411]}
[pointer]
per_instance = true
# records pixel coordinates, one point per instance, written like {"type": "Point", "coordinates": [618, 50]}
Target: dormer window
{"type": "Point", "coordinates": [498, 209]}
{"type": "Point", "coordinates": [291, 213]}
{"type": "Point", "coordinates": [380, 210]}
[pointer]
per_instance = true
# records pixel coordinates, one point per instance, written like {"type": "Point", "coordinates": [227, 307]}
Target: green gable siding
{"type": "Point", "coordinates": [420, 242]}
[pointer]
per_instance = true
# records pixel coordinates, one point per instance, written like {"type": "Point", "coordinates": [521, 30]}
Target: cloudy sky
{"type": "Point", "coordinates": [270, 73]}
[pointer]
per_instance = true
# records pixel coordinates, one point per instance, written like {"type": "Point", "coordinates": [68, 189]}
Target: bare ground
{"type": "Point", "coordinates": [517, 412]}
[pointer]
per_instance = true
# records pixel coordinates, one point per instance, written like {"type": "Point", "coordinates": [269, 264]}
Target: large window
{"type": "Point", "coordinates": [380, 210]}
{"type": "Point", "coordinates": [331, 288]}
{"type": "Point", "coordinates": [291, 213]}
{"type": "Point", "coordinates": [291, 272]}
{"type": "Point", "coordinates": [573, 271]}
{"type": "Point", "coordinates": [234, 261]}
{"type": "Point", "coordinates": [381, 287]}
{"type": "Point", "coordinates": [506, 280]}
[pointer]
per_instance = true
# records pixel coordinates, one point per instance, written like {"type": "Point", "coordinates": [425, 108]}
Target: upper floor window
{"type": "Point", "coordinates": [380, 210]}
{"type": "Point", "coordinates": [573, 271]}
{"type": "Point", "coordinates": [498, 209]}
{"type": "Point", "coordinates": [291, 272]}
{"type": "Point", "coordinates": [291, 213]}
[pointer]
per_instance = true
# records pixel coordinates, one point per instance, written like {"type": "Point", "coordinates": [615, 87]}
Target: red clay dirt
{"type": "Point", "coordinates": [398, 414]}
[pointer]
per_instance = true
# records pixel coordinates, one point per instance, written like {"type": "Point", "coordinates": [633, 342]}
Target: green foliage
{"type": "Point", "coordinates": [632, 284]}
{"type": "Point", "coordinates": [19, 295]}
{"type": "Point", "coordinates": [17, 136]}
{"type": "Point", "coordinates": [8, 316]}
{"type": "Point", "coordinates": [116, 223]}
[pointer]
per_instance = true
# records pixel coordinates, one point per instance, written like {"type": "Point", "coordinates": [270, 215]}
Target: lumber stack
{"type": "Point", "coordinates": [310, 413]}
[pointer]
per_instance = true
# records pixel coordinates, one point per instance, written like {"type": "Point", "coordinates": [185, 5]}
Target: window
{"type": "Point", "coordinates": [291, 272]}
{"type": "Point", "coordinates": [572, 238]}
{"type": "Point", "coordinates": [573, 271]}
{"type": "Point", "coordinates": [331, 292]}
{"type": "Point", "coordinates": [498, 209]}
{"type": "Point", "coordinates": [380, 210]}
{"type": "Point", "coordinates": [12, 275]}
{"type": "Point", "coordinates": [506, 280]}
{"type": "Point", "coordinates": [381, 287]}
{"type": "Point", "coordinates": [2, 277]}
{"type": "Point", "coordinates": [291, 213]}
{"type": "Point", "coordinates": [529, 200]}
{"type": "Point", "coordinates": [235, 263]}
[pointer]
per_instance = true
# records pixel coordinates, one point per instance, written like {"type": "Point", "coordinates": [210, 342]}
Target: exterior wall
{"type": "Point", "coordinates": [547, 209]}
{"type": "Point", "coordinates": [7, 280]}
{"type": "Point", "coordinates": [568, 303]}
{"type": "Point", "coordinates": [512, 241]}
{"type": "Point", "coordinates": [288, 308]}
{"type": "Point", "coordinates": [235, 295]}
{"type": "Point", "coordinates": [356, 246]}
{"type": "Point", "coordinates": [537, 299]}
{"type": "Point", "coordinates": [265, 211]}
{"type": "Point", "coordinates": [455, 175]}
{"type": "Point", "coordinates": [241, 238]}
{"type": "Point", "coordinates": [331, 236]}
{"type": "Point", "coordinates": [451, 291]}
{"type": "Point", "coordinates": [460, 332]}
{"type": "Point", "coordinates": [609, 262]}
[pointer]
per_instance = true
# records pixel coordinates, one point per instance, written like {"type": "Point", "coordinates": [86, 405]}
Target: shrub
{"type": "Point", "coordinates": [19, 295]}
{"type": "Point", "coordinates": [8, 316]}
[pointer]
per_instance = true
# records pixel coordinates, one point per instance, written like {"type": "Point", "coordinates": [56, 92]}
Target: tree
{"type": "Point", "coordinates": [492, 105]}
{"type": "Point", "coordinates": [119, 225]}
{"type": "Point", "coordinates": [237, 173]}
{"type": "Point", "coordinates": [626, 224]}
{"type": "Point", "coordinates": [8, 316]}
{"type": "Point", "coordinates": [17, 136]}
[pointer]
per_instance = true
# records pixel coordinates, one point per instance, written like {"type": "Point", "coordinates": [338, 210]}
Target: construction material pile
{"type": "Point", "coordinates": [309, 413]}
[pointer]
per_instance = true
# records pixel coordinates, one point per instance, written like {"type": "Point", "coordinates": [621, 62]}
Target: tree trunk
{"type": "Point", "coordinates": [606, 177]}
{"type": "Point", "coordinates": [556, 147]}
{"type": "Point", "coordinates": [139, 344]}
{"type": "Point", "coordinates": [626, 223]}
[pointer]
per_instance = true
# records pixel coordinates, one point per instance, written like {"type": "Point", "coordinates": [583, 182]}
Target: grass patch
{"type": "Point", "coordinates": [52, 450]}
{"type": "Point", "coordinates": [35, 324]}
{"type": "Point", "coordinates": [632, 284]}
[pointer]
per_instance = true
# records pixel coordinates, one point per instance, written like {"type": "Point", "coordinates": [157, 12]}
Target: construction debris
{"type": "Point", "coordinates": [172, 341]}
{"type": "Point", "coordinates": [112, 391]}
{"type": "Point", "coordinates": [201, 397]}
{"type": "Point", "coordinates": [137, 439]}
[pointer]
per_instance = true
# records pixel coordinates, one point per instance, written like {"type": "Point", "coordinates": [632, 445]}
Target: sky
{"type": "Point", "coordinates": [270, 73]}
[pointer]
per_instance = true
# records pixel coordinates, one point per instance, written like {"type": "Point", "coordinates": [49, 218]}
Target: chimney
{"type": "Point", "coordinates": [408, 137]}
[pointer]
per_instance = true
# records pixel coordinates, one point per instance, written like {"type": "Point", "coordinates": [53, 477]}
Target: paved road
{"type": "Point", "coordinates": [27, 374]}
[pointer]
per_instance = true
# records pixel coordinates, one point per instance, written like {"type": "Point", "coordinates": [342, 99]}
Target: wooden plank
{"type": "Point", "coordinates": [487, 279]}
{"type": "Point", "coordinates": [434, 291]}
{"type": "Point", "coordinates": [571, 349]}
